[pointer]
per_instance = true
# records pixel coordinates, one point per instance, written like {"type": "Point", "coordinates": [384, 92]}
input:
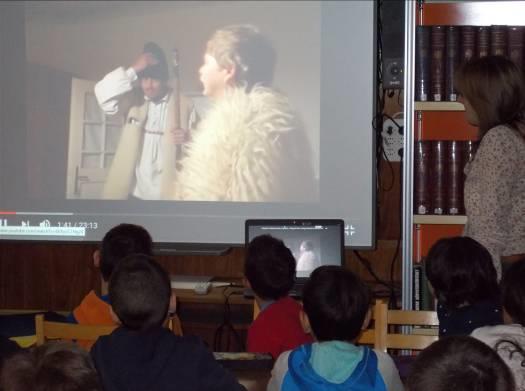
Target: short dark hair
{"type": "Point", "coordinates": [158, 71]}
{"type": "Point", "coordinates": [459, 363]}
{"type": "Point", "coordinates": [122, 240]}
{"type": "Point", "coordinates": [513, 291]}
{"type": "Point", "coordinates": [460, 271]}
{"type": "Point", "coordinates": [54, 366]}
{"type": "Point", "coordinates": [336, 302]}
{"type": "Point", "coordinates": [269, 267]}
{"type": "Point", "coordinates": [139, 292]}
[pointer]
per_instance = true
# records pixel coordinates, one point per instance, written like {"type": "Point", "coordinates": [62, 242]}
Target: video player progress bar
{"type": "Point", "coordinates": [6, 212]}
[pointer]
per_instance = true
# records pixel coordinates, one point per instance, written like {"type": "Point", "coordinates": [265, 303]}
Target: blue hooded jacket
{"type": "Point", "coordinates": [302, 377]}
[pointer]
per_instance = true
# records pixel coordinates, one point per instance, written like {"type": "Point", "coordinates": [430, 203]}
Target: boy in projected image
{"type": "Point", "coordinates": [269, 270]}
{"type": "Point", "coordinates": [307, 259]}
{"type": "Point", "coordinates": [251, 146]}
{"type": "Point", "coordinates": [144, 162]}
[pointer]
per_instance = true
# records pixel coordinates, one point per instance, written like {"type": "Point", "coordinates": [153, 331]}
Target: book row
{"type": "Point", "coordinates": [440, 50]}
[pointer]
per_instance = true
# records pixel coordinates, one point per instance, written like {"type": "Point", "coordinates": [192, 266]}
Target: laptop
{"type": "Point", "coordinates": [313, 242]}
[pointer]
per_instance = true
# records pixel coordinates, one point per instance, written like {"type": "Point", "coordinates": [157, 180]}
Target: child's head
{"type": "Point", "coordinates": [336, 303]}
{"type": "Point", "coordinates": [139, 292]}
{"type": "Point", "coordinates": [513, 291]}
{"type": "Point", "coordinates": [459, 363]}
{"type": "Point", "coordinates": [245, 51]}
{"type": "Point", "coordinates": [269, 267]}
{"type": "Point", "coordinates": [306, 245]}
{"type": "Point", "coordinates": [461, 271]}
{"type": "Point", "coordinates": [120, 241]}
{"type": "Point", "coordinates": [54, 366]}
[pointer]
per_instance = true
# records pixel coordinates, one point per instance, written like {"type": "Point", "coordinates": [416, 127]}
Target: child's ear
{"type": "Point", "coordinates": [114, 316]}
{"type": "Point", "coordinates": [96, 259]}
{"type": "Point", "coordinates": [367, 320]}
{"type": "Point", "coordinates": [231, 73]}
{"type": "Point", "coordinates": [507, 319]}
{"type": "Point", "coordinates": [305, 322]}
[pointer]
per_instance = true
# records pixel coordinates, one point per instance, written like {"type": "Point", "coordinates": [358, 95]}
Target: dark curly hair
{"type": "Point", "coordinates": [269, 267]}
{"type": "Point", "coordinates": [460, 271]}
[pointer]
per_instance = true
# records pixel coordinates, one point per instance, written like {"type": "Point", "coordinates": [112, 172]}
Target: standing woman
{"type": "Point", "coordinates": [493, 92]}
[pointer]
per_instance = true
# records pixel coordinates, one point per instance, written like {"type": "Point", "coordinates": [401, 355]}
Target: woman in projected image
{"type": "Point", "coordinates": [307, 259]}
{"type": "Point", "coordinates": [493, 92]}
{"type": "Point", "coordinates": [251, 146]}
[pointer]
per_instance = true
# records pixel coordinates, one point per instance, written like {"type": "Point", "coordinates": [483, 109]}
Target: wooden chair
{"type": "Point", "coordinates": [88, 334]}
{"type": "Point", "coordinates": [175, 325]}
{"type": "Point", "coordinates": [386, 319]}
{"type": "Point", "coordinates": [46, 330]}
{"type": "Point", "coordinates": [370, 335]}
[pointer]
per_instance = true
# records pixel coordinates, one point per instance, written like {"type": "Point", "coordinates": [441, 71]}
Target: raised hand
{"type": "Point", "coordinates": [143, 61]}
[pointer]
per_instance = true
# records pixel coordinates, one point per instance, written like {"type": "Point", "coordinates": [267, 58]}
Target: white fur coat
{"type": "Point", "coordinates": [250, 147]}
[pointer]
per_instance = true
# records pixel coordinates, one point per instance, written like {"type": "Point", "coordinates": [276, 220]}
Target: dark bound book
{"type": "Point", "coordinates": [515, 47]}
{"type": "Point", "coordinates": [469, 150]}
{"type": "Point", "coordinates": [438, 177]}
{"type": "Point", "coordinates": [498, 40]}
{"type": "Point", "coordinates": [468, 43]}
{"type": "Point", "coordinates": [455, 178]}
{"type": "Point", "coordinates": [437, 63]}
{"type": "Point", "coordinates": [451, 61]}
{"type": "Point", "coordinates": [422, 63]}
{"type": "Point", "coordinates": [422, 177]}
{"type": "Point", "coordinates": [417, 283]}
{"type": "Point", "coordinates": [482, 41]}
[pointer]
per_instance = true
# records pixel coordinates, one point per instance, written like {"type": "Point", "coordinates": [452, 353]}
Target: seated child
{"type": "Point", "coordinates": [269, 270]}
{"type": "Point", "coordinates": [509, 339]}
{"type": "Point", "coordinates": [461, 274]}
{"type": "Point", "coordinates": [336, 309]}
{"type": "Point", "coordinates": [459, 363]}
{"type": "Point", "coordinates": [142, 354]}
{"type": "Point", "coordinates": [54, 366]}
{"type": "Point", "coordinates": [118, 242]}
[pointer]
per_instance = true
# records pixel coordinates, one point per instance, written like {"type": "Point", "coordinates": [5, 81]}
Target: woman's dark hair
{"type": "Point", "coordinates": [494, 87]}
{"type": "Point", "coordinates": [513, 291]}
{"type": "Point", "coordinates": [336, 302]}
{"type": "Point", "coordinates": [461, 271]}
{"type": "Point", "coordinates": [459, 363]}
{"type": "Point", "coordinates": [269, 267]}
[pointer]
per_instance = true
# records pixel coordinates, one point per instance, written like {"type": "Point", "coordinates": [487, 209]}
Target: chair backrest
{"type": "Point", "coordinates": [175, 325]}
{"type": "Point", "coordinates": [46, 330]}
{"type": "Point", "coordinates": [389, 336]}
{"type": "Point", "coordinates": [371, 333]}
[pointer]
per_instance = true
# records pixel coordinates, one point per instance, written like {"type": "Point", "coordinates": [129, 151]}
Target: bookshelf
{"type": "Point", "coordinates": [440, 219]}
{"type": "Point", "coordinates": [438, 106]}
{"type": "Point", "coordinates": [430, 121]}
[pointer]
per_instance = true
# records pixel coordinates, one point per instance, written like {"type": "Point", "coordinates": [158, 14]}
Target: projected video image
{"type": "Point", "coordinates": [183, 101]}
{"type": "Point", "coordinates": [186, 117]}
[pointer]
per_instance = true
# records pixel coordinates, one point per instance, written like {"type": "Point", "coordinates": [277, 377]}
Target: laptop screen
{"type": "Point", "coordinates": [312, 242]}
